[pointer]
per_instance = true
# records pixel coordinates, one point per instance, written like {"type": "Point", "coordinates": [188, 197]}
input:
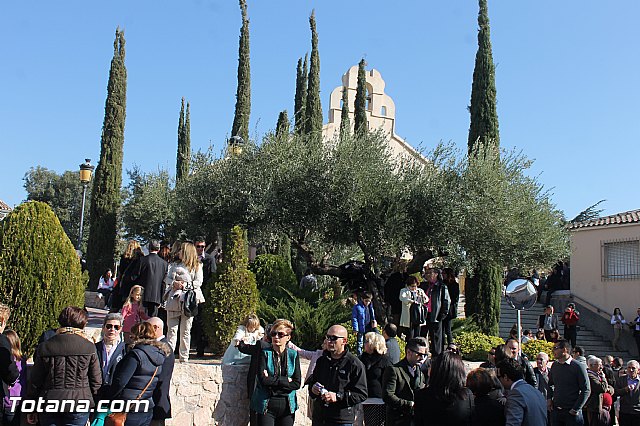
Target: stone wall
{"type": "Point", "coordinates": [214, 394]}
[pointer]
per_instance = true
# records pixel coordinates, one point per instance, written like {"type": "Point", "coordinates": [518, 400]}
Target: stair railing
{"type": "Point", "coordinates": [594, 308]}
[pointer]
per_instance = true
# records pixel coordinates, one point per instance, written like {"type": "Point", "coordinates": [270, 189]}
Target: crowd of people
{"type": "Point", "coordinates": [73, 374]}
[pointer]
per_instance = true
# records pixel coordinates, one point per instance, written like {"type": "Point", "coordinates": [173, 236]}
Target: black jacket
{"type": "Point", "coordinates": [161, 401]}
{"type": "Point", "coordinates": [399, 390]}
{"type": "Point", "coordinates": [136, 370]}
{"type": "Point", "coordinates": [345, 375]}
{"type": "Point", "coordinates": [454, 295]}
{"type": "Point", "coordinates": [116, 357]}
{"type": "Point", "coordinates": [150, 275]}
{"type": "Point", "coordinates": [66, 367]}
{"type": "Point", "coordinates": [374, 365]}
{"type": "Point", "coordinates": [529, 374]}
{"type": "Point", "coordinates": [253, 350]}
{"type": "Point", "coordinates": [208, 267]}
{"type": "Point", "coordinates": [392, 287]}
{"type": "Point", "coordinates": [440, 301]}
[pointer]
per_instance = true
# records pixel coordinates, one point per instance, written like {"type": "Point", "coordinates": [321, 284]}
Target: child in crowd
{"type": "Point", "coordinates": [133, 312]}
{"type": "Point", "coordinates": [526, 336]}
{"type": "Point", "coordinates": [540, 335]}
{"type": "Point", "coordinates": [249, 332]}
{"type": "Point", "coordinates": [363, 319]}
{"type": "Point", "coordinates": [12, 417]}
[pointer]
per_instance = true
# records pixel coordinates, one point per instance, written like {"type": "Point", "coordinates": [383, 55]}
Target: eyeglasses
{"type": "Point", "coordinates": [419, 354]}
{"type": "Point", "coordinates": [279, 334]}
{"type": "Point", "coordinates": [333, 338]}
{"type": "Point", "coordinates": [112, 326]}
{"type": "Point", "coordinates": [539, 359]}
{"type": "Point", "coordinates": [200, 246]}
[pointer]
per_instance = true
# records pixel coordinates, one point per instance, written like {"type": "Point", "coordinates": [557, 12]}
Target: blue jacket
{"type": "Point", "coordinates": [116, 356]}
{"type": "Point", "coordinates": [267, 386]}
{"type": "Point", "coordinates": [357, 317]}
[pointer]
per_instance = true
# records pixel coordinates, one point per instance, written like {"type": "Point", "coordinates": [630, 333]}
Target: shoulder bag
{"type": "Point", "coordinates": [190, 302]}
{"type": "Point", "coordinates": [119, 419]}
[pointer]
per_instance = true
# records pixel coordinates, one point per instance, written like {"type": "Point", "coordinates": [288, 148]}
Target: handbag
{"type": "Point", "coordinates": [417, 316]}
{"type": "Point", "coordinates": [190, 302]}
{"type": "Point", "coordinates": [120, 418]}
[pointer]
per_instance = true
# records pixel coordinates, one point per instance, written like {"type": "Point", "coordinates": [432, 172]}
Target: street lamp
{"type": "Point", "coordinates": [86, 170]}
{"type": "Point", "coordinates": [236, 144]}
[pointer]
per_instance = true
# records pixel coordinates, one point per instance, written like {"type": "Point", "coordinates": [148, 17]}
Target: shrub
{"type": "Point", "coordinates": [310, 322]}
{"type": "Point", "coordinates": [464, 325]}
{"type": "Point", "coordinates": [533, 347]}
{"type": "Point", "coordinates": [273, 274]}
{"type": "Point", "coordinates": [474, 346]}
{"type": "Point", "coordinates": [39, 271]}
{"type": "Point", "coordinates": [231, 296]}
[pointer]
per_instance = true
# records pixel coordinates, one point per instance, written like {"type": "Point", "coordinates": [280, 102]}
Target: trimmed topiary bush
{"type": "Point", "coordinates": [474, 346]}
{"type": "Point", "coordinates": [273, 274]}
{"type": "Point", "coordinates": [232, 294]}
{"type": "Point", "coordinates": [533, 347]}
{"type": "Point", "coordinates": [39, 271]}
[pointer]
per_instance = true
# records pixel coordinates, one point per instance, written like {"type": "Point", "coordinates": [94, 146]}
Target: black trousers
{"type": "Point", "coordinates": [446, 330]}
{"type": "Point", "coordinates": [278, 413]}
{"type": "Point", "coordinates": [197, 331]}
{"type": "Point", "coordinates": [151, 308]}
{"type": "Point", "coordinates": [629, 419]}
{"type": "Point", "coordinates": [435, 338]}
{"type": "Point", "coordinates": [571, 334]}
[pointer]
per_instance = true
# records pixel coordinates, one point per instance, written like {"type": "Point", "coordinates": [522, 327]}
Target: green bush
{"type": "Point", "coordinates": [533, 347]}
{"type": "Point", "coordinates": [273, 275]}
{"type": "Point", "coordinates": [464, 325]}
{"type": "Point", "coordinates": [231, 296]}
{"type": "Point", "coordinates": [474, 346]}
{"type": "Point", "coordinates": [39, 271]}
{"type": "Point", "coordinates": [310, 322]}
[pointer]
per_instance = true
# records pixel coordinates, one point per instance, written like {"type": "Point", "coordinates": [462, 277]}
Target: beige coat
{"type": "Point", "coordinates": [407, 300]}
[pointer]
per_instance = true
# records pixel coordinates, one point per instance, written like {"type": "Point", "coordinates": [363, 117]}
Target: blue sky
{"type": "Point", "coordinates": [567, 78]}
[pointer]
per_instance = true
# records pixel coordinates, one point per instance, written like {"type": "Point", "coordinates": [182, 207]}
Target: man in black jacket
{"type": "Point", "coordinates": [401, 381]}
{"type": "Point", "coordinates": [437, 308]}
{"type": "Point", "coordinates": [512, 348]}
{"type": "Point", "coordinates": [338, 382]}
{"type": "Point", "coordinates": [161, 400]}
{"type": "Point", "coordinates": [150, 275]}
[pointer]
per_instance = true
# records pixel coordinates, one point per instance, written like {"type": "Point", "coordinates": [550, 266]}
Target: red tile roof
{"type": "Point", "coordinates": [625, 218]}
{"type": "Point", "coordinates": [5, 206]}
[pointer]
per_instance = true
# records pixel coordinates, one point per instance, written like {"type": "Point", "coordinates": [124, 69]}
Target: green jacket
{"type": "Point", "coordinates": [398, 391]}
{"type": "Point", "coordinates": [266, 385]}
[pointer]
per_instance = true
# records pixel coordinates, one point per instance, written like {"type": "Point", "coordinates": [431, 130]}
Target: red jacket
{"type": "Point", "coordinates": [570, 318]}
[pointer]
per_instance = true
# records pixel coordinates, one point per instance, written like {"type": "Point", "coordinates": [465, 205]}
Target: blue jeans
{"type": "Point", "coordinates": [360, 339]}
{"type": "Point", "coordinates": [564, 418]}
{"type": "Point", "coordinates": [63, 419]}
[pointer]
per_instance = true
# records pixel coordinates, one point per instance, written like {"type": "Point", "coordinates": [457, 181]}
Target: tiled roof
{"type": "Point", "coordinates": [5, 206]}
{"type": "Point", "coordinates": [625, 218]}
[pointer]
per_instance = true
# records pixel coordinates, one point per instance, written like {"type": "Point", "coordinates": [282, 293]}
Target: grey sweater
{"type": "Point", "coordinates": [568, 385]}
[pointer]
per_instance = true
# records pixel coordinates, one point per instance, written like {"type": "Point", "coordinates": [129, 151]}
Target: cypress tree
{"type": "Point", "coordinates": [345, 123]}
{"type": "Point", "coordinates": [360, 108]}
{"type": "Point", "coordinates": [37, 281]}
{"type": "Point", "coordinates": [301, 95]}
{"type": "Point", "coordinates": [313, 113]}
{"type": "Point", "coordinates": [184, 144]}
{"type": "Point", "coordinates": [483, 131]}
{"type": "Point", "coordinates": [243, 95]}
{"type": "Point", "coordinates": [106, 197]}
{"type": "Point", "coordinates": [282, 127]}
{"type": "Point", "coordinates": [484, 139]}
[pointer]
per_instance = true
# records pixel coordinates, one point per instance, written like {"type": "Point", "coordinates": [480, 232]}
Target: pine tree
{"type": "Point", "coordinates": [243, 95]}
{"type": "Point", "coordinates": [300, 101]}
{"type": "Point", "coordinates": [282, 127]}
{"type": "Point", "coordinates": [313, 113]}
{"type": "Point", "coordinates": [106, 197]}
{"type": "Point", "coordinates": [184, 144]}
{"type": "Point", "coordinates": [484, 139]}
{"type": "Point", "coordinates": [345, 123]}
{"type": "Point", "coordinates": [360, 113]}
{"type": "Point", "coordinates": [232, 295]}
{"type": "Point", "coordinates": [483, 131]}
{"type": "Point", "coordinates": [37, 281]}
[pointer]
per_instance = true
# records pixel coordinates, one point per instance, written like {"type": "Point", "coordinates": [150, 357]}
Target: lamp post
{"type": "Point", "coordinates": [86, 170]}
{"type": "Point", "coordinates": [236, 144]}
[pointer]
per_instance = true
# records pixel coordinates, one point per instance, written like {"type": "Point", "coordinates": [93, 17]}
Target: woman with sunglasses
{"type": "Point", "coordinates": [274, 398]}
{"type": "Point", "coordinates": [111, 348]}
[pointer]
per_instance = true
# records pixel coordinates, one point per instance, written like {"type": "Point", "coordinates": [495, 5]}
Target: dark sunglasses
{"type": "Point", "coordinates": [333, 338]}
{"type": "Point", "coordinates": [280, 334]}
{"type": "Point", "coordinates": [112, 326]}
{"type": "Point", "coordinates": [200, 246]}
{"type": "Point", "coordinates": [420, 355]}
{"type": "Point", "coordinates": [492, 353]}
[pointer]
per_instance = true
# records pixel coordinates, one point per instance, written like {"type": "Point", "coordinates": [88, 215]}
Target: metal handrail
{"type": "Point", "coordinates": [604, 313]}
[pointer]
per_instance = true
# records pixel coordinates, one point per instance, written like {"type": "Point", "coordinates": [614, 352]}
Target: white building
{"type": "Point", "coordinates": [381, 111]}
